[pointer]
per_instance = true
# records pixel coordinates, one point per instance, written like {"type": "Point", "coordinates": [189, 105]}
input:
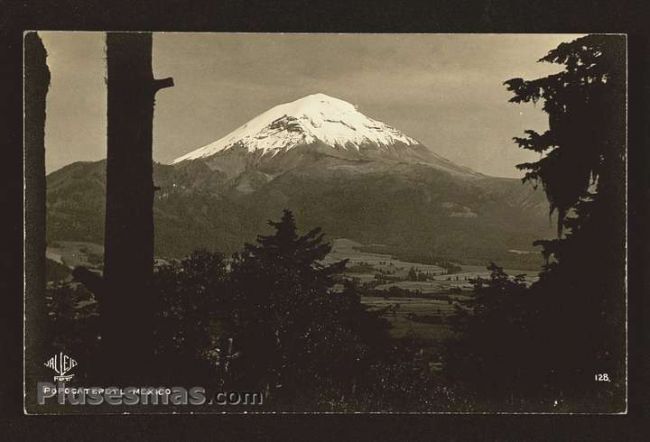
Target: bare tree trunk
{"type": "Point", "coordinates": [126, 309]}
{"type": "Point", "coordinates": [36, 84]}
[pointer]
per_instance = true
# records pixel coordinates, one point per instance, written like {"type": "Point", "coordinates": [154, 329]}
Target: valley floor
{"type": "Point", "coordinates": [417, 299]}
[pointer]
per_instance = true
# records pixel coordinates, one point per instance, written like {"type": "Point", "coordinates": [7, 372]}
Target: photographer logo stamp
{"type": "Point", "coordinates": [61, 364]}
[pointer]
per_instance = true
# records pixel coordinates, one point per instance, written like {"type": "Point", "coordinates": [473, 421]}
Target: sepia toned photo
{"type": "Point", "coordinates": [325, 223]}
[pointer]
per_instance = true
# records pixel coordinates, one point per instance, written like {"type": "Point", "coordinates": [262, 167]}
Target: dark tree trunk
{"type": "Point", "coordinates": [36, 83]}
{"type": "Point", "coordinates": [126, 309]}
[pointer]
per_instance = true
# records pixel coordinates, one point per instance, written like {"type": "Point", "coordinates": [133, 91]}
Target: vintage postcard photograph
{"type": "Point", "coordinates": [324, 223]}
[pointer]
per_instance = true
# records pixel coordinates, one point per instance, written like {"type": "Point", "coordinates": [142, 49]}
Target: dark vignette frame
{"type": "Point", "coordinates": [441, 16]}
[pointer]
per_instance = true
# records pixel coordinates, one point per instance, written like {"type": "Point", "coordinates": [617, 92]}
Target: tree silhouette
{"type": "Point", "coordinates": [493, 341]}
{"type": "Point", "coordinates": [37, 81]}
{"type": "Point", "coordinates": [583, 174]}
{"type": "Point", "coordinates": [191, 307]}
{"type": "Point", "coordinates": [570, 325]}
{"type": "Point", "coordinates": [296, 334]}
{"type": "Point", "coordinates": [584, 146]}
{"type": "Point", "coordinates": [128, 246]}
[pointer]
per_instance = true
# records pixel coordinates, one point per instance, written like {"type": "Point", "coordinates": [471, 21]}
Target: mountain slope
{"type": "Point", "coordinates": [410, 208]}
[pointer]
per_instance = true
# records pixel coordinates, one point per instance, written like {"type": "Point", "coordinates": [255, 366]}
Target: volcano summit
{"type": "Point", "coordinates": [314, 124]}
{"type": "Point", "coordinates": [313, 118]}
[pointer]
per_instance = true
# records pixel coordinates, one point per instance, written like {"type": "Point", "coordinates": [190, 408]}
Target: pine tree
{"type": "Point", "coordinates": [570, 325]}
{"type": "Point", "coordinates": [294, 332]}
{"type": "Point", "coordinates": [584, 146]}
{"type": "Point", "coordinates": [580, 295]}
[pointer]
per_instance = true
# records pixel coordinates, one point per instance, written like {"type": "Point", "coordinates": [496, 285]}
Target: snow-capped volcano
{"type": "Point", "coordinates": [337, 169]}
{"type": "Point", "coordinates": [311, 119]}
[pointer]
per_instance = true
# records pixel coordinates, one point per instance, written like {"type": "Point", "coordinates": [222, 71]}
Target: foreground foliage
{"type": "Point", "coordinates": [546, 345]}
{"type": "Point", "coordinates": [269, 320]}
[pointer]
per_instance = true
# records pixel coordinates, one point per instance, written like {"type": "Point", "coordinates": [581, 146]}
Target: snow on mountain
{"type": "Point", "coordinates": [310, 119]}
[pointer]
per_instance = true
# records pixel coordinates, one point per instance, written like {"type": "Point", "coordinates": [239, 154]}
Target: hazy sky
{"type": "Point", "coordinates": [445, 90]}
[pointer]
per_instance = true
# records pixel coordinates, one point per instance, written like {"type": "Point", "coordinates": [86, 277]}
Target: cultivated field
{"type": "Point", "coordinates": [364, 266]}
{"type": "Point", "coordinates": [420, 308]}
